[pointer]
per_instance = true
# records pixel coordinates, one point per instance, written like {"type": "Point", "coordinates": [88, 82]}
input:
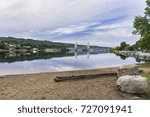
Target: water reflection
{"type": "Point", "coordinates": [137, 58]}
{"type": "Point", "coordinates": [21, 63]}
{"type": "Point", "coordinates": [122, 56]}
{"type": "Point", "coordinates": [28, 56]}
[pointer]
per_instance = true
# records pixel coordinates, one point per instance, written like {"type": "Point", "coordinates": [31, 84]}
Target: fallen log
{"type": "Point", "coordinates": [64, 78]}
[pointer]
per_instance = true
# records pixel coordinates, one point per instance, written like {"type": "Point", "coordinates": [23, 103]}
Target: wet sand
{"type": "Point", "coordinates": [41, 86]}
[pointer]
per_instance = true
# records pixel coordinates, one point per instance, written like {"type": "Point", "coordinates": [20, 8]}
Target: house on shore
{"type": "Point", "coordinates": [52, 50]}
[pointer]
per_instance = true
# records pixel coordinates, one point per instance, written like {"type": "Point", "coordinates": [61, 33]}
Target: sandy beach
{"type": "Point", "coordinates": [41, 86]}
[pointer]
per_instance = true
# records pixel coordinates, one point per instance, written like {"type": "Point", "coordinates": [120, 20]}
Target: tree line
{"type": "Point", "coordinates": [20, 43]}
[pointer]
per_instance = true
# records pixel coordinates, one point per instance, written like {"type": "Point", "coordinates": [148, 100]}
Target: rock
{"type": "Point", "coordinates": [132, 84]}
{"type": "Point", "coordinates": [128, 70]}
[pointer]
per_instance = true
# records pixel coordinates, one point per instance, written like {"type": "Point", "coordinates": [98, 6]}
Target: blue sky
{"type": "Point", "coordinates": [100, 22]}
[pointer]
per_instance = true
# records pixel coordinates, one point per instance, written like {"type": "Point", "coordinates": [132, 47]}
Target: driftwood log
{"type": "Point", "coordinates": [90, 76]}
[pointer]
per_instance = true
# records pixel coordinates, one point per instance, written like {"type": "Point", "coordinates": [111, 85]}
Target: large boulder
{"type": "Point", "coordinates": [132, 84]}
{"type": "Point", "coordinates": [128, 70]}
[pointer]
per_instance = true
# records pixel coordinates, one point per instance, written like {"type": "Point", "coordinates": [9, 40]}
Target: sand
{"type": "Point", "coordinates": [41, 86]}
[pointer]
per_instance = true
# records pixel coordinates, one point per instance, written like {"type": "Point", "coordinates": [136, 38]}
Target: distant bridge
{"type": "Point", "coordinates": [78, 50]}
{"type": "Point", "coordinates": [81, 49]}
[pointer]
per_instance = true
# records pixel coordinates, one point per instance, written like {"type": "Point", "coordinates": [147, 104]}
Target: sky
{"type": "Point", "coordinates": [99, 22]}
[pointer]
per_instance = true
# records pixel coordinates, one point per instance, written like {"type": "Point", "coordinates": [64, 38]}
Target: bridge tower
{"type": "Point", "coordinates": [88, 47]}
{"type": "Point", "coordinates": [88, 50]}
{"type": "Point", "coordinates": [76, 47]}
{"type": "Point", "coordinates": [76, 50]}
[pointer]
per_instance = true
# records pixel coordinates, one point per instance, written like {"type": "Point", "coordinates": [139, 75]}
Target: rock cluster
{"type": "Point", "coordinates": [129, 81]}
{"type": "Point", "coordinates": [128, 70]}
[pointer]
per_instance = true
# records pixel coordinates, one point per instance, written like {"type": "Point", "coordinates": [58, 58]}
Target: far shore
{"type": "Point", "coordinates": [41, 86]}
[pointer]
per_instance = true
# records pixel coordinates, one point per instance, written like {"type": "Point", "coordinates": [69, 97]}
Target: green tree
{"type": "Point", "coordinates": [124, 46]}
{"type": "Point", "coordinates": [142, 28]}
{"type": "Point", "coordinates": [2, 45]}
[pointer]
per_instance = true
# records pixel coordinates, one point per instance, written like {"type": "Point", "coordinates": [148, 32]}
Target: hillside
{"type": "Point", "coordinates": [19, 43]}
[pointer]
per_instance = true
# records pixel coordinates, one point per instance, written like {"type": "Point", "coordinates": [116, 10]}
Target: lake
{"type": "Point", "coordinates": [35, 63]}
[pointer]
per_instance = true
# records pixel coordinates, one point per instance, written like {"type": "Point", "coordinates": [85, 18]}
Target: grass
{"type": "Point", "coordinates": [146, 75]}
{"type": "Point", "coordinates": [146, 64]}
{"type": "Point", "coordinates": [147, 91]}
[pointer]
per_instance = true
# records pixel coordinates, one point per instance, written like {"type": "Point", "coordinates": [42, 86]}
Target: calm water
{"type": "Point", "coordinates": [53, 63]}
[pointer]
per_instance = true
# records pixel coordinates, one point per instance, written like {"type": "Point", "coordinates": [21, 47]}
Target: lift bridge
{"type": "Point", "coordinates": [79, 50]}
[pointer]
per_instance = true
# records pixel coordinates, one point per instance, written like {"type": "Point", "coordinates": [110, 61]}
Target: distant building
{"type": "Point", "coordinates": [35, 50]}
{"type": "Point", "coordinates": [53, 50]}
{"type": "Point", "coordinates": [11, 47]}
{"type": "Point", "coordinates": [27, 47]}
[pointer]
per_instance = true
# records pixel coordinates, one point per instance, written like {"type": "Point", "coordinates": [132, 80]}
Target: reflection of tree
{"type": "Point", "coordinates": [5, 57]}
{"type": "Point", "coordinates": [123, 57]}
{"type": "Point", "coordinates": [138, 60]}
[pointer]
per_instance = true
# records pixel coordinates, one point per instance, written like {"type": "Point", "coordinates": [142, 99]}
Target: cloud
{"type": "Point", "coordinates": [71, 29]}
{"type": "Point", "coordinates": [70, 20]}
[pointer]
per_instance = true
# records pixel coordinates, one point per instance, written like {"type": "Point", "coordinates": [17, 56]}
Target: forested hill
{"type": "Point", "coordinates": [4, 41]}
{"type": "Point", "coordinates": [21, 42]}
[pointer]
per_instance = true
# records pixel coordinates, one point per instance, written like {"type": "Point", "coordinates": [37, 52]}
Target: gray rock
{"type": "Point", "coordinates": [128, 70]}
{"type": "Point", "coordinates": [132, 84]}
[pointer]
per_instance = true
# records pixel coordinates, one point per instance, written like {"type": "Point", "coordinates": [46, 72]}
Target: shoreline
{"type": "Point", "coordinates": [41, 86]}
{"type": "Point", "coordinates": [82, 70]}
